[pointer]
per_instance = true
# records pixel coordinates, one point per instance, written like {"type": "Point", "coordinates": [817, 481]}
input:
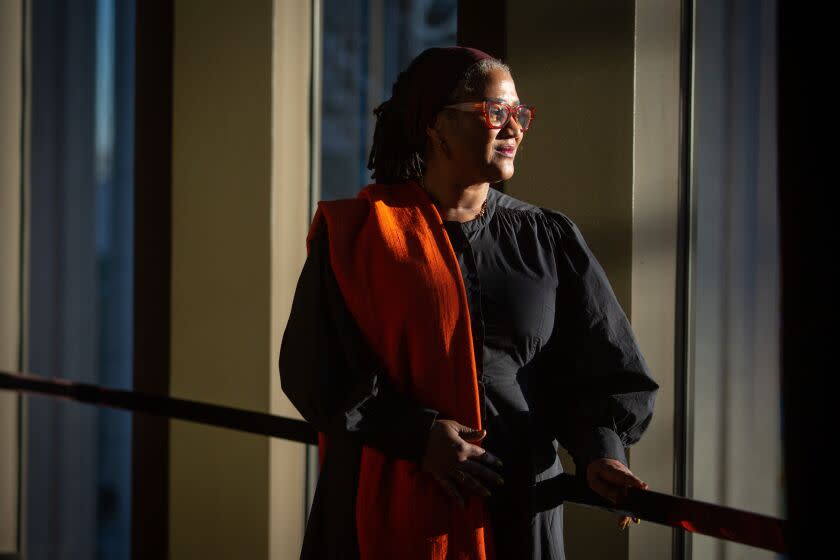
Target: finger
{"type": "Point", "coordinates": [468, 451]}
{"type": "Point", "coordinates": [469, 482]}
{"type": "Point", "coordinates": [468, 434]}
{"type": "Point", "coordinates": [643, 486]}
{"type": "Point", "coordinates": [617, 486]}
{"type": "Point", "coordinates": [617, 475]}
{"type": "Point", "coordinates": [488, 458]}
{"type": "Point", "coordinates": [481, 472]}
{"type": "Point", "coordinates": [609, 491]}
{"type": "Point", "coordinates": [625, 521]}
{"type": "Point", "coordinates": [451, 490]}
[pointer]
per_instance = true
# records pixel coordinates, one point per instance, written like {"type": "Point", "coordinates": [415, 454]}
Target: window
{"type": "Point", "coordinates": [80, 276]}
{"type": "Point", "coordinates": [366, 44]}
{"type": "Point", "coordinates": [736, 449]}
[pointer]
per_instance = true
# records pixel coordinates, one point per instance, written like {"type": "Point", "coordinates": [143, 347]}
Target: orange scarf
{"type": "Point", "coordinates": [400, 279]}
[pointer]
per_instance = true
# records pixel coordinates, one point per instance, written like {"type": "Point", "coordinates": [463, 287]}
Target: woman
{"type": "Point", "coordinates": [444, 337]}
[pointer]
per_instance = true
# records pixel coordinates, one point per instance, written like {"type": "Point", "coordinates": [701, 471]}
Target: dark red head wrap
{"type": "Point", "coordinates": [431, 79]}
{"type": "Point", "coordinates": [418, 94]}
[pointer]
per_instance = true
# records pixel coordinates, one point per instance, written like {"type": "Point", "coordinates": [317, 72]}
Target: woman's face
{"type": "Point", "coordinates": [472, 152]}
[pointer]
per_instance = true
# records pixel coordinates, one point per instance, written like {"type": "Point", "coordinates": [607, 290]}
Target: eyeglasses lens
{"type": "Point", "coordinates": [499, 115]}
{"type": "Point", "coordinates": [523, 117]}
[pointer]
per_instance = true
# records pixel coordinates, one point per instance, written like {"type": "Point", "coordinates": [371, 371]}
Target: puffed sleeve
{"type": "Point", "coordinates": [333, 378]}
{"type": "Point", "coordinates": [601, 390]}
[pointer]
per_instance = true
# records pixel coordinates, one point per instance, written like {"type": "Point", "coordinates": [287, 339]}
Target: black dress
{"type": "Point", "coordinates": [557, 362]}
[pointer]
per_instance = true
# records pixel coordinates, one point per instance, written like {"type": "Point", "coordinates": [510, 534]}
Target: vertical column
{"type": "Point", "coordinates": [574, 62]}
{"type": "Point", "coordinates": [293, 105]}
{"type": "Point", "coordinates": [152, 272]}
{"type": "Point", "coordinates": [221, 290]}
{"type": "Point", "coordinates": [11, 157]}
{"type": "Point", "coordinates": [656, 203]}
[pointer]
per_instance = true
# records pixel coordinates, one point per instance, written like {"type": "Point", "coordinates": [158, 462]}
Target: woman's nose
{"type": "Point", "coordinates": [514, 126]}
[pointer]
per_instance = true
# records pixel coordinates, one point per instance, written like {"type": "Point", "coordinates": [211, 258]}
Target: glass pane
{"type": "Point", "coordinates": [734, 296]}
{"type": "Point", "coordinates": [366, 43]}
{"type": "Point", "coordinates": [203, 492]}
{"type": "Point", "coordinates": [80, 275]}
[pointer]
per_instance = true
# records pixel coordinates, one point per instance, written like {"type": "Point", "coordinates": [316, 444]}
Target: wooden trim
{"type": "Point", "coordinates": [477, 30]}
{"type": "Point", "coordinates": [152, 272]}
{"type": "Point", "coordinates": [682, 394]}
{"type": "Point", "coordinates": [13, 101]}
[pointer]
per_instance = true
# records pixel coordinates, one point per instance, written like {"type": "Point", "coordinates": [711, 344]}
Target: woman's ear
{"type": "Point", "coordinates": [436, 139]}
{"type": "Point", "coordinates": [434, 134]}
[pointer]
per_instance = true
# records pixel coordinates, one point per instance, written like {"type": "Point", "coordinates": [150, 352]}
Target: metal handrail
{"type": "Point", "coordinates": [682, 513]}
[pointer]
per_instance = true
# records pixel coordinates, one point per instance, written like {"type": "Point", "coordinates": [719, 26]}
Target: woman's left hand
{"type": "Point", "coordinates": [610, 478]}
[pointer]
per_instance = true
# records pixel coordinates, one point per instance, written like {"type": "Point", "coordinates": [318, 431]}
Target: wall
{"type": "Point", "coordinates": [574, 62]}
{"type": "Point", "coordinates": [604, 150]}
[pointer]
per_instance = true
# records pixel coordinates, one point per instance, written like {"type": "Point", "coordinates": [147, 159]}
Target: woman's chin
{"type": "Point", "coordinates": [502, 172]}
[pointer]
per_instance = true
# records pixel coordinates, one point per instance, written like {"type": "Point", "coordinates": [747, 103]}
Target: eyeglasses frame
{"type": "Point", "coordinates": [512, 110]}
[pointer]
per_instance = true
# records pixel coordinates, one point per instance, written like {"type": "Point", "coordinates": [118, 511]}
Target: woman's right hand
{"type": "Point", "coordinates": [457, 464]}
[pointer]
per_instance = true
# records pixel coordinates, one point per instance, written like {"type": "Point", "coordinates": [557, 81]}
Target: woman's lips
{"type": "Point", "coordinates": [507, 151]}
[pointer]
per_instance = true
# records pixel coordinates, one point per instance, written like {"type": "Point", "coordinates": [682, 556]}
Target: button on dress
{"type": "Point", "coordinates": [558, 364]}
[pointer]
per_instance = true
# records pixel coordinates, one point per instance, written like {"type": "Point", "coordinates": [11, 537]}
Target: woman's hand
{"type": "Point", "coordinates": [611, 479]}
{"type": "Point", "coordinates": [456, 463]}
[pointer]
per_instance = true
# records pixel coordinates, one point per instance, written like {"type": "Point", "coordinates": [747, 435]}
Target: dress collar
{"type": "Point", "coordinates": [476, 223]}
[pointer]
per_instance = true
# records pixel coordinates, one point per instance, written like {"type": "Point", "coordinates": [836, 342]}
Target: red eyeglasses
{"type": "Point", "coordinates": [497, 114]}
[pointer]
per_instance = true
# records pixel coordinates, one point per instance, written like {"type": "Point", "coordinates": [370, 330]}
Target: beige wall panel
{"type": "Point", "coordinates": [655, 209]}
{"type": "Point", "coordinates": [11, 111]}
{"type": "Point", "coordinates": [574, 62]}
{"type": "Point", "coordinates": [290, 202]}
{"type": "Point", "coordinates": [221, 273]}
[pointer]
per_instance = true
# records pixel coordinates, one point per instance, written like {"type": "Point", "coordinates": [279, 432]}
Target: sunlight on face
{"type": "Point", "coordinates": [477, 153]}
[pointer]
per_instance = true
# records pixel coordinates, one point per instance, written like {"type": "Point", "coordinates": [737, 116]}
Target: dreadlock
{"type": "Point", "coordinates": [399, 139]}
